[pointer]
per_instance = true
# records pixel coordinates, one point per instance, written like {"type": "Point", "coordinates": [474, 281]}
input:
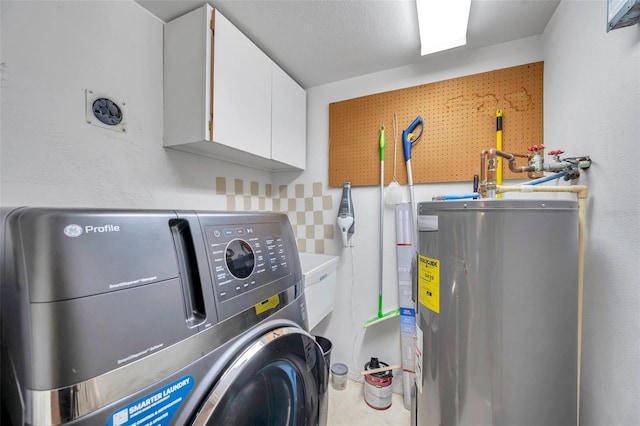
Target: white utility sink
{"type": "Point", "coordinates": [319, 280]}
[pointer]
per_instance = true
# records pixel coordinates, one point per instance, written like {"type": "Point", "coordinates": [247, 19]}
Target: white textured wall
{"type": "Point", "coordinates": [52, 51]}
{"type": "Point", "coordinates": [592, 106]}
{"type": "Point", "coordinates": [358, 267]}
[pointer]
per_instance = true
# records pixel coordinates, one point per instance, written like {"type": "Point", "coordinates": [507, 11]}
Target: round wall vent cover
{"type": "Point", "coordinates": [107, 111]}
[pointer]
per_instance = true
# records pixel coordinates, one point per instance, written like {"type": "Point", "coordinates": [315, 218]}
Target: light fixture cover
{"type": "Point", "coordinates": [442, 24]}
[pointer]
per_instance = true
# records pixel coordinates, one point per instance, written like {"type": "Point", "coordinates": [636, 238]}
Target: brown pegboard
{"type": "Point", "coordinates": [460, 122]}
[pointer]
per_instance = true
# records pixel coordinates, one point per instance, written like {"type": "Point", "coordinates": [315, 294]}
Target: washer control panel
{"type": "Point", "coordinates": [244, 257]}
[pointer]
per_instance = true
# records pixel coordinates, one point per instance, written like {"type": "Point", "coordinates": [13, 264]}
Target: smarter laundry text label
{"type": "Point", "coordinates": [154, 409]}
{"type": "Point", "coordinates": [429, 283]}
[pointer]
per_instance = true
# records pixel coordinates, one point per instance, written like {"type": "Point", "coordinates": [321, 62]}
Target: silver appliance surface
{"type": "Point", "coordinates": [497, 313]}
{"type": "Point", "coordinates": [124, 317]}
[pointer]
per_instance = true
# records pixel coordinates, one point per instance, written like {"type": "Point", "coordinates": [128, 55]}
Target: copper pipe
{"type": "Point", "coordinates": [512, 161]}
{"type": "Point", "coordinates": [491, 173]}
{"type": "Point", "coordinates": [482, 188]}
{"type": "Point", "coordinates": [488, 165]}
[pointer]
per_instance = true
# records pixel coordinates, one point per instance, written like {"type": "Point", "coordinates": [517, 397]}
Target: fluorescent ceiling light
{"type": "Point", "coordinates": [443, 24]}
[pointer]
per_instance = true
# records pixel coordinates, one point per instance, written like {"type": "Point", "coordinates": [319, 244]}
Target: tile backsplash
{"type": "Point", "coordinates": [309, 210]}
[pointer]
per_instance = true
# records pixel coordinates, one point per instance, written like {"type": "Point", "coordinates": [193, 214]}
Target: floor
{"type": "Point", "coordinates": [347, 407]}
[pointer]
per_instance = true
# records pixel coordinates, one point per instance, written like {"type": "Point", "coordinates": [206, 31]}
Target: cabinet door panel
{"type": "Point", "coordinates": [241, 91]}
{"type": "Point", "coordinates": [289, 120]}
{"type": "Point", "coordinates": [187, 46]}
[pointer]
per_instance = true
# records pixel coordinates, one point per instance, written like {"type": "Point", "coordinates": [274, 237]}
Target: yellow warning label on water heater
{"type": "Point", "coordinates": [429, 283]}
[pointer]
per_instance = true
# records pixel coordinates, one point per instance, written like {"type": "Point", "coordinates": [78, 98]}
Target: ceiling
{"type": "Point", "coordinates": [322, 41]}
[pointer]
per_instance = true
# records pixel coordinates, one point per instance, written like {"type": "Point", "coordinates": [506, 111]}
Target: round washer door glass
{"type": "Point", "coordinates": [276, 395]}
{"type": "Point", "coordinates": [281, 379]}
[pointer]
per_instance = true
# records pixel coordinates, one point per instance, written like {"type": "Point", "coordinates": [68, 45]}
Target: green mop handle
{"type": "Point", "coordinates": [382, 143]}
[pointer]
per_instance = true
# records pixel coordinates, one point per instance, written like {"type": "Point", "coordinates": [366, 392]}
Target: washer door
{"type": "Point", "coordinates": [280, 379]}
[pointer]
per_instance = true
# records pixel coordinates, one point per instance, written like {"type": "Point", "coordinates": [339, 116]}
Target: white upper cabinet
{"type": "Point", "coordinates": [241, 91]}
{"type": "Point", "coordinates": [288, 120]}
{"type": "Point", "coordinates": [224, 98]}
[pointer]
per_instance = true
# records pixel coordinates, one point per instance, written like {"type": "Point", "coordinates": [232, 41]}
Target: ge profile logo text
{"type": "Point", "coordinates": [73, 230]}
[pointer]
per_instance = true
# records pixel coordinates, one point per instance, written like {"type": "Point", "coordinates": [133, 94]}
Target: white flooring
{"type": "Point", "coordinates": [348, 408]}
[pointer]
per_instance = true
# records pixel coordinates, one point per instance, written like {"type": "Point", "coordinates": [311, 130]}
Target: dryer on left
{"type": "Point", "coordinates": [145, 317]}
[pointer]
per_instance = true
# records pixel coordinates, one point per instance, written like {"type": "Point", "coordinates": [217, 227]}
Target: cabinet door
{"type": "Point", "coordinates": [241, 91]}
{"type": "Point", "coordinates": [187, 59]}
{"type": "Point", "coordinates": [289, 120]}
